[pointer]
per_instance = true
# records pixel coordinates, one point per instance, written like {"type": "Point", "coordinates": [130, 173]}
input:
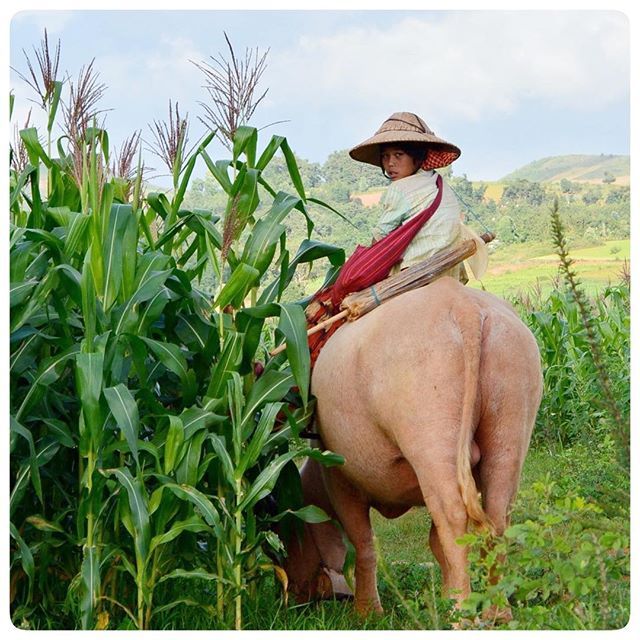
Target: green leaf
{"type": "Point", "coordinates": [119, 218]}
{"type": "Point", "coordinates": [269, 152]}
{"type": "Point", "coordinates": [159, 203]}
{"type": "Point", "coordinates": [60, 431]}
{"type": "Point", "coordinates": [188, 170]}
{"type": "Point", "coordinates": [220, 171]}
{"type": "Point", "coordinates": [311, 513]}
{"type": "Point", "coordinates": [224, 458]}
{"type": "Point", "coordinates": [89, 373]}
{"type": "Point", "coordinates": [89, 301]}
{"type": "Point", "coordinates": [19, 185]}
{"type": "Point", "coordinates": [17, 428]}
{"type": "Point", "coordinates": [90, 573]}
{"type": "Point", "coordinates": [137, 501]}
{"type": "Point", "coordinates": [259, 437]}
{"type": "Point", "coordinates": [327, 458]}
{"type": "Point", "coordinates": [245, 140]}
{"type": "Point", "coordinates": [170, 355]}
{"type": "Point", "coordinates": [292, 166]}
{"type": "Point", "coordinates": [245, 200]}
{"type": "Point", "coordinates": [55, 101]}
{"type": "Point", "coordinates": [125, 411]}
{"type": "Point", "coordinates": [234, 291]}
{"type": "Point", "coordinates": [19, 291]}
{"type": "Point", "coordinates": [49, 371]}
{"type": "Point", "coordinates": [228, 362]}
{"type": "Point", "coordinates": [262, 242]}
{"type": "Point", "coordinates": [188, 470]}
{"type": "Point", "coordinates": [194, 419]}
{"type": "Point", "coordinates": [34, 149]}
{"type": "Point", "coordinates": [47, 451]}
{"type": "Point", "coordinates": [266, 480]}
{"type": "Point", "coordinates": [175, 438]}
{"type": "Point", "coordinates": [270, 387]}
{"type": "Point", "coordinates": [201, 502]}
{"type": "Point", "coordinates": [194, 524]}
{"type": "Point", "coordinates": [293, 324]}
{"type": "Point", "coordinates": [309, 251]}
{"type": "Point", "coordinates": [327, 206]}
{"type": "Point", "coordinates": [198, 574]}
{"type": "Point", "coordinates": [26, 557]}
{"type": "Point", "coordinates": [77, 234]}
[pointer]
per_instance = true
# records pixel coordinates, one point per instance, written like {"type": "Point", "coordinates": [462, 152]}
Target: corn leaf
{"type": "Point", "coordinates": [245, 140]}
{"type": "Point", "coordinates": [293, 324]}
{"type": "Point", "coordinates": [35, 151]}
{"type": "Point", "coordinates": [26, 557]}
{"type": "Point", "coordinates": [173, 442]}
{"type": "Point", "coordinates": [19, 291]}
{"type": "Point", "coordinates": [18, 429]}
{"type": "Point", "coordinates": [259, 437]}
{"type": "Point", "coordinates": [90, 574]}
{"type": "Point", "coordinates": [234, 291]}
{"type": "Point", "coordinates": [220, 171]}
{"type": "Point", "coordinates": [203, 505]}
{"type": "Point", "coordinates": [137, 501]}
{"type": "Point", "coordinates": [292, 166]}
{"type": "Point", "coordinates": [194, 524]}
{"type": "Point", "coordinates": [188, 468]}
{"type": "Point", "coordinates": [311, 514]}
{"type": "Point", "coordinates": [112, 251]}
{"type": "Point", "coordinates": [270, 387]}
{"type": "Point", "coordinates": [170, 355]}
{"type": "Point", "coordinates": [125, 412]}
{"type": "Point", "coordinates": [266, 480]}
{"type": "Point", "coordinates": [55, 101]}
{"type": "Point", "coordinates": [223, 457]}
{"type": "Point", "coordinates": [160, 204]}
{"type": "Point", "coordinates": [49, 371]}
{"type": "Point", "coordinates": [269, 152]}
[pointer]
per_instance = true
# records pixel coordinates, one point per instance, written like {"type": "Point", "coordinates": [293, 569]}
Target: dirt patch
{"type": "Point", "coordinates": [368, 199]}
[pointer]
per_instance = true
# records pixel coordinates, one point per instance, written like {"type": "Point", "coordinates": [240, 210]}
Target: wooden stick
{"type": "Point", "coordinates": [319, 327]}
{"type": "Point", "coordinates": [486, 237]}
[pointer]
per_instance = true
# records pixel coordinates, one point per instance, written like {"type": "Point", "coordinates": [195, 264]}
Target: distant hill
{"type": "Point", "coordinates": [577, 168]}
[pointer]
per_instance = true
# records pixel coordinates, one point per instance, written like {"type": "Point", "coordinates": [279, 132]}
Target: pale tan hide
{"type": "Point", "coordinates": [413, 395]}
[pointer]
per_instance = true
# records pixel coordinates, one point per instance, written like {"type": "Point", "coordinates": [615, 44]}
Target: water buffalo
{"type": "Point", "coordinates": [431, 399]}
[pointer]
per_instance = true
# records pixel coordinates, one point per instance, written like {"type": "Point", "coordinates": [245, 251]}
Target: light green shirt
{"type": "Point", "coordinates": [409, 196]}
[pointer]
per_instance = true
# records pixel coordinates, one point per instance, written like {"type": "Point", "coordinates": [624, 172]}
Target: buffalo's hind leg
{"type": "Point", "coordinates": [449, 517]}
{"type": "Point", "coordinates": [498, 481]}
{"type": "Point", "coordinates": [352, 510]}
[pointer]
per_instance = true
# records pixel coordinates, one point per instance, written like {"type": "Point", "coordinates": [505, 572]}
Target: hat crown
{"type": "Point", "coordinates": [404, 121]}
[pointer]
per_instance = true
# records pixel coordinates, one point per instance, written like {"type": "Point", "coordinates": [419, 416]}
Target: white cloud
{"type": "Point", "coordinates": [463, 65]}
{"type": "Point", "coordinates": [53, 21]}
{"type": "Point", "coordinates": [160, 73]}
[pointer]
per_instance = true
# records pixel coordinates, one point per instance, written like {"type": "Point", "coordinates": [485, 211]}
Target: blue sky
{"type": "Point", "coordinates": [507, 87]}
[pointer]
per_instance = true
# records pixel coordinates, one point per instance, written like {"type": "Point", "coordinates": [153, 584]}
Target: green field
{"type": "Point", "coordinates": [527, 268]}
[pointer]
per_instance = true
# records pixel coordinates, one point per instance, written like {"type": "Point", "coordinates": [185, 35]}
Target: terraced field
{"type": "Point", "coordinates": [511, 271]}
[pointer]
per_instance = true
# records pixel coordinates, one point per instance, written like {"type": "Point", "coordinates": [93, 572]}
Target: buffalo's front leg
{"type": "Point", "coordinates": [352, 509]}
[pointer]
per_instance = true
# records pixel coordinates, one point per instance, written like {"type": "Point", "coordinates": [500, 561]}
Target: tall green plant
{"type": "Point", "coordinates": [142, 442]}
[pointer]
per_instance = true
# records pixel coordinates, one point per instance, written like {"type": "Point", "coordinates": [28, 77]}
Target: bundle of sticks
{"type": "Point", "coordinates": [357, 304]}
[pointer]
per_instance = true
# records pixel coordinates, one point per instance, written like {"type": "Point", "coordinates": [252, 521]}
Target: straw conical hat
{"type": "Point", "coordinates": [406, 127]}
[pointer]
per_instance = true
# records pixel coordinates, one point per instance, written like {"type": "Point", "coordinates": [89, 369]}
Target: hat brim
{"type": "Point", "coordinates": [441, 153]}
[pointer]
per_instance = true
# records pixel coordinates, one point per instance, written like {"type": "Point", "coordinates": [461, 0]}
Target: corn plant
{"type": "Point", "coordinates": [585, 348]}
{"type": "Point", "coordinates": [143, 445]}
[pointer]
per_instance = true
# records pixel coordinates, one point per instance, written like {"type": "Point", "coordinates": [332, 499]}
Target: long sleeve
{"type": "Point", "coordinates": [395, 210]}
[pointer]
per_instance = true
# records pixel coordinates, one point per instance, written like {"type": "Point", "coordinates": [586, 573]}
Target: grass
{"type": "Point", "coordinates": [409, 579]}
{"type": "Point", "coordinates": [524, 267]}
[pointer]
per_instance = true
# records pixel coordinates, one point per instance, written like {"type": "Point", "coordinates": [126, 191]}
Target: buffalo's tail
{"type": "Point", "coordinates": [469, 319]}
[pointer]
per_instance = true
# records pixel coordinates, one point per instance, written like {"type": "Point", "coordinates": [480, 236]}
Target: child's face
{"type": "Point", "coordinates": [397, 163]}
